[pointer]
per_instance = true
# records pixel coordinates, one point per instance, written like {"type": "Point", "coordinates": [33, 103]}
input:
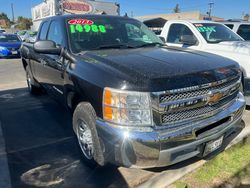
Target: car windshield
{"type": "Point", "coordinates": [9, 38]}
{"type": "Point", "coordinates": [216, 33]}
{"type": "Point", "coordinates": [32, 34]}
{"type": "Point", "coordinates": [21, 33]}
{"type": "Point", "coordinates": [102, 32]}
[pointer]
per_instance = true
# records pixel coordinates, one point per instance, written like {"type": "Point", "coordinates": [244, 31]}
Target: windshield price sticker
{"type": "Point", "coordinates": [87, 28]}
{"type": "Point", "coordinates": [206, 29]}
{"type": "Point", "coordinates": [80, 21]}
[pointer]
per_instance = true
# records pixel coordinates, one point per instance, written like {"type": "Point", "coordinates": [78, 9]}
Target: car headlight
{"type": "Point", "coordinates": [2, 48]}
{"type": "Point", "coordinates": [127, 107]}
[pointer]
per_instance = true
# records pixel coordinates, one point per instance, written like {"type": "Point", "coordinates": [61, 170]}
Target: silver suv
{"type": "Point", "coordinates": [240, 27]}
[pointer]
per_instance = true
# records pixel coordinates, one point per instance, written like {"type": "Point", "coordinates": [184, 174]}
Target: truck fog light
{"type": "Point", "coordinates": [127, 107]}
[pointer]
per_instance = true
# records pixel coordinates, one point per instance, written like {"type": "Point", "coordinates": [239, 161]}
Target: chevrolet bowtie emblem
{"type": "Point", "coordinates": [215, 98]}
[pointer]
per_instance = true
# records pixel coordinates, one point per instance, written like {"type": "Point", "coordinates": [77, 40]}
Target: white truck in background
{"type": "Point", "coordinates": [210, 37]}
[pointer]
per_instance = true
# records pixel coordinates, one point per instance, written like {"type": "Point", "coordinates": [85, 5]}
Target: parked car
{"type": "Point", "coordinates": [135, 102]}
{"type": "Point", "coordinates": [241, 28]}
{"type": "Point", "coordinates": [211, 37]}
{"type": "Point", "coordinates": [9, 45]}
{"type": "Point", "coordinates": [30, 36]}
{"type": "Point", "coordinates": [21, 34]}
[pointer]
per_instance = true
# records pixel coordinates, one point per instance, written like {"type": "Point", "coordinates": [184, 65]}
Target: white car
{"type": "Point", "coordinates": [210, 37]}
{"type": "Point", "coordinates": [241, 28]}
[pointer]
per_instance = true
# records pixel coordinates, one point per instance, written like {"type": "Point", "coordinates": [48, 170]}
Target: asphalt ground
{"type": "Point", "coordinates": [38, 147]}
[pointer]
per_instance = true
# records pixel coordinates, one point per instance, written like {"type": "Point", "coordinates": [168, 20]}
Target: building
{"type": "Point", "coordinates": [50, 8]}
{"type": "Point", "coordinates": [194, 15]}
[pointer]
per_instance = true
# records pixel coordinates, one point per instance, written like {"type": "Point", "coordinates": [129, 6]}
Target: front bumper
{"type": "Point", "coordinates": [247, 90]}
{"type": "Point", "coordinates": [8, 53]}
{"type": "Point", "coordinates": [146, 148]}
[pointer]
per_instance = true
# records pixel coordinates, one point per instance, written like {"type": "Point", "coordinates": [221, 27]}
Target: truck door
{"type": "Point", "coordinates": [176, 33]}
{"type": "Point", "coordinates": [39, 59]}
{"type": "Point", "coordinates": [53, 70]}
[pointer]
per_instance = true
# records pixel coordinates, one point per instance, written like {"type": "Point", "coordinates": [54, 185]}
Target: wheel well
{"type": "Point", "coordinates": [25, 64]}
{"type": "Point", "coordinates": [73, 99]}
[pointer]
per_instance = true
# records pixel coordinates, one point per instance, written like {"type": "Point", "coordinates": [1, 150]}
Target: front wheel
{"type": "Point", "coordinates": [84, 119]}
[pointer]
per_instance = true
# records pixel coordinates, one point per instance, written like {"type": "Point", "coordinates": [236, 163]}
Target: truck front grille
{"type": "Point", "coordinates": [172, 108]}
{"type": "Point", "coordinates": [197, 113]}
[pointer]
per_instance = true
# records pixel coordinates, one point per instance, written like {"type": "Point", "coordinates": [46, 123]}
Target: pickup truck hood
{"type": "Point", "coordinates": [242, 47]}
{"type": "Point", "coordinates": [238, 51]}
{"type": "Point", "coordinates": [158, 69]}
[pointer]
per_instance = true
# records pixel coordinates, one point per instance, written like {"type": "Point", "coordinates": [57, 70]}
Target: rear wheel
{"type": "Point", "coordinates": [33, 89]}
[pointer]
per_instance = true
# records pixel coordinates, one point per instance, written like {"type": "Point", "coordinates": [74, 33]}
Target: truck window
{"type": "Point", "coordinates": [176, 31]}
{"type": "Point", "coordinates": [231, 26]}
{"type": "Point", "coordinates": [95, 32]}
{"type": "Point", "coordinates": [44, 30]}
{"type": "Point", "coordinates": [244, 31]}
{"type": "Point", "coordinates": [216, 33]}
{"type": "Point", "coordinates": [55, 32]}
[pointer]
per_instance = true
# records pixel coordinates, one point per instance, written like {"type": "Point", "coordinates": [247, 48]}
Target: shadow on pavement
{"type": "Point", "coordinates": [41, 147]}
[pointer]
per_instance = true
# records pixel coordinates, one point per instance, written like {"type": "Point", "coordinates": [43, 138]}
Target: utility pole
{"type": "Point", "coordinates": [12, 10]}
{"type": "Point", "coordinates": [210, 9]}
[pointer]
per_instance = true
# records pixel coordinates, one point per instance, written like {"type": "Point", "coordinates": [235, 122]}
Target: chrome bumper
{"type": "Point", "coordinates": [146, 148]}
{"type": "Point", "coordinates": [247, 90]}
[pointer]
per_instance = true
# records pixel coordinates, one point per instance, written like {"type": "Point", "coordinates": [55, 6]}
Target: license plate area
{"type": "Point", "coordinates": [14, 52]}
{"type": "Point", "coordinates": [213, 145]}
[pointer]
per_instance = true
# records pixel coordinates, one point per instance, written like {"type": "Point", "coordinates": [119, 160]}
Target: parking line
{"type": "Point", "coordinates": [4, 167]}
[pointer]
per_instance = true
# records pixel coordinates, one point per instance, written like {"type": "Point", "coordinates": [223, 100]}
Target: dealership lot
{"type": "Point", "coordinates": [39, 145]}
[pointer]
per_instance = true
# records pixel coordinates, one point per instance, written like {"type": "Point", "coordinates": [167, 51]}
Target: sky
{"type": "Point", "coordinates": [223, 8]}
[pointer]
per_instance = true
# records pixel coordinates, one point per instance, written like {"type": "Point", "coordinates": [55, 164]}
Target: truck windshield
{"type": "Point", "coordinates": [9, 38]}
{"type": "Point", "coordinates": [216, 33]}
{"type": "Point", "coordinates": [103, 32]}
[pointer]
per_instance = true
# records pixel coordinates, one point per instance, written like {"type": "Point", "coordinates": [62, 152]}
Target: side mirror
{"type": "Point", "coordinates": [163, 39]}
{"type": "Point", "coordinates": [188, 40]}
{"type": "Point", "coordinates": [47, 47]}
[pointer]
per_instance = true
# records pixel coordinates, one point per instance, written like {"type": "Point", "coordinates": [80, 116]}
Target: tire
{"type": "Point", "coordinates": [34, 89]}
{"type": "Point", "coordinates": [84, 119]}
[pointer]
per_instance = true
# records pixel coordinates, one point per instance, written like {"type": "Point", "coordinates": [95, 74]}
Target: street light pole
{"type": "Point", "coordinates": [12, 10]}
{"type": "Point", "coordinates": [210, 9]}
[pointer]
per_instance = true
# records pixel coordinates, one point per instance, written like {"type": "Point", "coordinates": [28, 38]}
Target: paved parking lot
{"type": "Point", "coordinates": [37, 145]}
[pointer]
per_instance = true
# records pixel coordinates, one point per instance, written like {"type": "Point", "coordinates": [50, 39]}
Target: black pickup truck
{"type": "Point", "coordinates": [135, 102]}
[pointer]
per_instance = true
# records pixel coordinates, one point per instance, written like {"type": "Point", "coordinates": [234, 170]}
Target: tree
{"type": "Point", "coordinates": [177, 9]}
{"type": "Point", "coordinates": [23, 23]}
{"type": "Point", "coordinates": [4, 16]}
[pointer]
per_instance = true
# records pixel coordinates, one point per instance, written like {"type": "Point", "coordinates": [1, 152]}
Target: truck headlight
{"type": "Point", "coordinates": [127, 107]}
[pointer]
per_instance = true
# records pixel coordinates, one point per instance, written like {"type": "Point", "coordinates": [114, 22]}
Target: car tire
{"type": "Point", "coordinates": [33, 86]}
{"type": "Point", "coordinates": [84, 125]}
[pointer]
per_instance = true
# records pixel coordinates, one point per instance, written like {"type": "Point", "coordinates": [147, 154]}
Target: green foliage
{"type": "Point", "coordinates": [5, 17]}
{"type": "Point", "coordinates": [177, 9]}
{"type": "Point", "coordinates": [23, 23]}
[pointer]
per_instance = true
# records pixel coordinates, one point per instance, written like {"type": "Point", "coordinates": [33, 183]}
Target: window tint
{"type": "Point", "coordinates": [176, 31]}
{"type": "Point", "coordinates": [55, 33]}
{"type": "Point", "coordinates": [244, 32]}
{"type": "Point", "coordinates": [231, 26]}
{"type": "Point", "coordinates": [44, 30]}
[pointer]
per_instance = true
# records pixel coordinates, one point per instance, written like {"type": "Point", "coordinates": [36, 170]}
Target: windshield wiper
{"type": "Point", "coordinates": [113, 46]}
{"type": "Point", "coordinates": [151, 44]}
